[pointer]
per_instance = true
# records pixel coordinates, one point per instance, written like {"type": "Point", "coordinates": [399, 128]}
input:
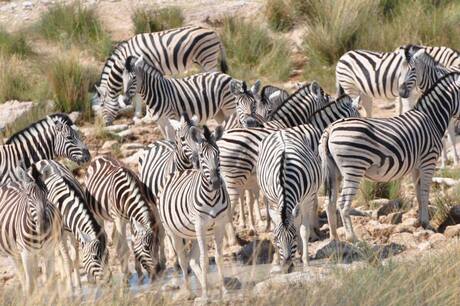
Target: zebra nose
{"type": "Point", "coordinates": [250, 122]}
{"type": "Point", "coordinates": [287, 265]}
{"type": "Point", "coordinates": [403, 92]}
{"type": "Point", "coordinates": [127, 100]}
{"type": "Point", "coordinates": [86, 156]}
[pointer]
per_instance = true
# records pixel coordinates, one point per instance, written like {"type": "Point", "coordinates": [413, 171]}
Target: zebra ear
{"type": "Point", "coordinates": [218, 132]}
{"type": "Point", "coordinates": [195, 134]}
{"type": "Point", "coordinates": [274, 95]}
{"type": "Point", "coordinates": [48, 171]}
{"type": "Point", "coordinates": [138, 227]}
{"type": "Point", "coordinates": [256, 87]}
{"type": "Point", "coordinates": [194, 120]}
{"type": "Point", "coordinates": [316, 90]}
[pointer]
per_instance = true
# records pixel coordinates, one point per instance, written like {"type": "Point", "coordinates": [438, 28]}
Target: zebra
{"type": "Point", "coordinates": [206, 95]}
{"type": "Point", "coordinates": [239, 148]}
{"type": "Point", "coordinates": [171, 52]}
{"type": "Point", "coordinates": [389, 148]}
{"type": "Point", "coordinates": [114, 194]}
{"type": "Point", "coordinates": [30, 226]}
{"type": "Point", "coordinates": [423, 72]}
{"type": "Point", "coordinates": [194, 205]}
{"type": "Point", "coordinates": [271, 97]}
{"type": "Point", "coordinates": [378, 75]}
{"type": "Point", "coordinates": [65, 192]}
{"type": "Point", "coordinates": [51, 137]}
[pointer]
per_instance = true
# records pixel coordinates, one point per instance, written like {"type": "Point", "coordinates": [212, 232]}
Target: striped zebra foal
{"type": "Point", "coordinates": [114, 194]}
{"type": "Point", "coordinates": [206, 95]}
{"type": "Point", "coordinates": [387, 149]}
{"type": "Point", "coordinates": [80, 226]}
{"type": "Point", "coordinates": [31, 227]}
{"type": "Point", "coordinates": [271, 98]}
{"type": "Point", "coordinates": [171, 52]}
{"type": "Point", "coordinates": [54, 136]}
{"type": "Point", "coordinates": [194, 205]}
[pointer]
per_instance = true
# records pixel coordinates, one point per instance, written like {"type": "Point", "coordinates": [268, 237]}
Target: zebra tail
{"type": "Point", "coordinates": [223, 59]}
{"type": "Point", "coordinates": [328, 166]}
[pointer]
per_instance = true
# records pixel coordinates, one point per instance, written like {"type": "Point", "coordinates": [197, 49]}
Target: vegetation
{"type": "Point", "coordinates": [375, 190]}
{"type": "Point", "coordinates": [453, 173]}
{"type": "Point", "coordinates": [278, 15]}
{"type": "Point", "coordinates": [154, 20]}
{"type": "Point", "coordinates": [253, 53]}
{"type": "Point", "coordinates": [14, 44]}
{"type": "Point", "coordinates": [74, 24]}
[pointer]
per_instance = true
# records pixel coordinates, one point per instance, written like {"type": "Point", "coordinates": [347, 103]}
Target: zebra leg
{"type": "Point", "coordinates": [250, 198]}
{"type": "Point", "coordinates": [349, 189]}
{"type": "Point", "coordinates": [313, 219]}
{"type": "Point", "coordinates": [122, 247]}
{"type": "Point", "coordinates": [66, 263]}
{"type": "Point", "coordinates": [256, 196]}
{"type": "Point", "coordinates": [331, 211]}
{"type": "Point", "coordinates": [241, 200]}
{"type": "Point", "coordinates": [366, 102]}
{"type": "Point", "coordinates": [218, 240]}
{"type": "Point", "coordinates": [76, 262]}
{"type": "Point", "coordinates": [200, 229]}
{"type": "Point", "coordinates": [305, 227]}
{"type": "Point", "coordinates": [29, 269]}
{"type": "Point", "coordinates": [20, 270]}
{"type": "Point", "coordinates": [422, 181]}
{"type": "Point", "coordinates": [178, 246]}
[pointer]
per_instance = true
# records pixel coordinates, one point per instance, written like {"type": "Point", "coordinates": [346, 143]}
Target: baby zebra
{"type": "Point", "coordinates": [387, 149]}
{"type": "Point", "coordinates": [289, 175]}
{"type": "Point", "coordinates": [194, 205]}
{"type": "Point", "coordinates": [206, 95]}
{"type": "Point", "coordinates": [54, 136]}
{"type": "Point", "coordinates": [31, 227]}
{"type": "Point", "coordinates": [80, 226]}
{"type": "Point", "coordinates": [114, 194]}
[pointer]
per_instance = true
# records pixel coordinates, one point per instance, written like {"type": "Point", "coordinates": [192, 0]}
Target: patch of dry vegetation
{"type": "Point", "coordinates": [146, 20]}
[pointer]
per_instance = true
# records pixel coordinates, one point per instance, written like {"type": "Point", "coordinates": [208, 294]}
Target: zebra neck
{"type": "Point", "coordinates": [180, 162]}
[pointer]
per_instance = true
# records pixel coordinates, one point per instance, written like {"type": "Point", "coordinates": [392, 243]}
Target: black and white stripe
{"type": "Point", "coordinates": [388, 149]}
{"type": "Point", "coordinates": [51, 137]}
{"type": "Point", "coordinates": [65, 192]}
{"type": "Point", "coordinates": [30, 227]}
{"type": "Point", "coordinates": [171, 52]}
{"type": "Point", "coordinates": [114, 194]}
{"type": "Point", "coordinates": [194, 205]}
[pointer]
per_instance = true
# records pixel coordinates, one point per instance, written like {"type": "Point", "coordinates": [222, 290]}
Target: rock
{"type": "Point", "coordinates": [126, 134]}
{"type": "Point", "coordinates": [74, 116]}
{"type": "Point", "coordinates": [385, 207]}
{"type": "Point", "coordinates": [437, 239]}
{"type": "Point", "coordinates": [423, 234]}
{"type": "Point", "coordinates": [449, 182]}
{"type": "Point", "coordinates": [232, 283]}
{"type": "Point", "coordinates": [28, 5]}
{"type": "Point", "coordinates": [403, 228]}
{"type": "Point", "coordinates": [338, 250]}
{"type": "Point", "coordinates": [425, 245]}
{"type": "Point", "coordinates": [285, 280]}
{"type": "Point", "coordinates": [452, 231]}
{"type": "Point", "coordinates": [392, 218]}
{"type": "Point", "coordinates": [10, 111]}
{"type": "Point", "coordinates": [116, 128]}
{"type": "Point", "coordinates": [453, 217]}
{"type": "Point", "coordinates": [257, 251]}
{"type": "Point", "coordinates": [109, 144]}
{"type": "Point", "coordinates": [405, 239]}
{"type": "Point", "coordinates": [377, 229]}
{"type": "Point", "coordinates": [411, 222]}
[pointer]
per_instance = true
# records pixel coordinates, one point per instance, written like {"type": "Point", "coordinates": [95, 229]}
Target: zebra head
{"type": "Point", "coordinates": [129, 87]}
{"type": "Point", "coordinates": [145, 245]}
{"type": "Point", "coordinates": [285, 236]}
{"type": "Point", "coordinates": [95, 256]}
{"type": "Point", "coordinates": [246, 102]}
{"type": "Point", "coordinates": [109, 107]}
{"type": "Point", "coordinates": [209, 155]}
{"type": "Point", "coordinates": [271, 98]}
{"type": "Point", "coordinates": [67, 140]}
{"type": "Point", "coordinates": [186, 149]}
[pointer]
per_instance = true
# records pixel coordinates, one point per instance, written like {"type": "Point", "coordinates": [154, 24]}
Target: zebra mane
{"type": "Point", "coordinates": [282, 180]}
{"type": "Point", "coordinates": [60, 116]}
{"type": "Point", "coordinates": [344, 100]}
{"type": "Point", "coordinates": [410, 50]}
{"type": "Point", "coordinates": [300, 89]}
{"type": "Point", "coordinates": [435, 86]}
{"type": "Point", "coordinates": [111, 59]}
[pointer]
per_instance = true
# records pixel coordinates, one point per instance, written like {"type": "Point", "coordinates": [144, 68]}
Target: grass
{"type": "Point", "coordinates": [376, 190]}
{"type": "Point", "coordinates": [70, 84]}
{"type": "Point", "coordinates": [74, 24]}
{"type": "Point", "coordinates": [453, 173]}
{"type": "Point", "coordinates": [154, 20]}
{"type": "Point", "coordinates": [14, 44]}
{"type": "Point", "coordinates": [278, 15]}
{"type": "Point", "coordinates": [252, 52]}
{"type": "Point", "coordinates": [14, 81]}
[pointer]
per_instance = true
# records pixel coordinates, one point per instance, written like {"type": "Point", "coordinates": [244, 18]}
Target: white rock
{"type": "Point", "coordinates": [116, 128]}
{"type": "Point", "coordinates": [125, 133]}
{"type": "Point", "coordinates": [28, 5]}
{"type": "Point", "coordinates": [12, 110]}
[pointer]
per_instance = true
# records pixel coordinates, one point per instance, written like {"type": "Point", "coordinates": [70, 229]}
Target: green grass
{"type": "Point", "coordinates": [278, 15]}
{"type": "Point", "coordinates": [375, 190]}
{"type": "Point", "coordinates": [14, 44]}
{"type": "Point", "coordinates": [74, 24]}
{"type": "Point", "coordinates": [70, 84]}
{"type": "Point", "coordinates": [154, 20]}
{"type": "Point", "coordinates": [453, 173]}
{"type": "Point", "coordinates": [253, 53]}
{"type": "Point", "coordinates": [15, 83]}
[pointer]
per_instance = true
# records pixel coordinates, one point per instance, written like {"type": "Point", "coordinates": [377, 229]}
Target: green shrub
{"type": "Point", "coordinates": [374, 190]}
{"type": "Point", "coordinates": [278, 15]}
{"type": "Point", "coordinates": [14, 81]}
{"type": "Point", "coordinates": [69, 83]}
{"type": "Point", "coordinates": [74, 24]}
{"type": "Point", "coordinates": [252, 52]}
{"type": "Point", "coordinates": [14, 44]}
{"type": "Point", "coordinates": [155, 20]}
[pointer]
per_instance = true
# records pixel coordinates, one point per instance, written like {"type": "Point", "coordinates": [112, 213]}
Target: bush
{"type": "Point", "coordinates": [278, 15]}
{"type": "Point", "coordinates": [374, 190]}
{"type": "Point", "coordinates": [155, 20]}
{"type": "Point", "coordinates": [69, 82]}
{"type": "Point", "coordinates": [14, 83]}
{"type": "Point", "coordinates": [14, 44]}
{"type": "Point", "coordinates": [252, 52]}
{"type": "Point", "coordinates": [75, 24]}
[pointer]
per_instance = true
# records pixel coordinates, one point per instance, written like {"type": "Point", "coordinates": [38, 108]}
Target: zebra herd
{"type": "Point", "coordinates": [284, 146]}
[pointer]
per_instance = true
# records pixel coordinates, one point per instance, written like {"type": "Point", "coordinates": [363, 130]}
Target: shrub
{"type": "Point", "coordinates": [278, 15]}
{"type": "Point", "coordinates": [251, 51]}
{"type": "Point", "coordinates": [75, 24]}
{"type": "Point", "coordinates": [69, 82]}
{"type": "Point", "coordinates": [374, 190]}
{"type": "Point", "coordinates": [154, 20]}
{"type": "Point", "coordinates": [14, 81]}
{"type": "Point", "coordinates": [14, 44]}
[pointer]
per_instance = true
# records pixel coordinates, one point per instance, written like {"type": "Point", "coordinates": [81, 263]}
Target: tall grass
{"type": "Point", "coordinates": [252, 52]}
{"type": "Point", "coordinates": [74, 24]}
{"type": "Point", "coordinates": [14, 44]}
{"type": "Point", "coordinates": [69, 82]}
{"type": "Point", "coordinates": [279, 15]}
{"type": "Point", "coordinates": [147, 20]}
{"type": "Point", "coordinates": [14, 81]}
{"type": "Point", "coordinates": [374, 190]}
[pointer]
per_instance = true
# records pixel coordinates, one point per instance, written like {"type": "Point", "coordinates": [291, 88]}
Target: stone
{"type": "Point", "coordinates": [411, 222]}
{"type": "Point", "coordinates": [116, 128]}
{"type": "Point", "coordinates": [109, 144]}
{"type": "Point", "coordinates": [403, 228]}
{"type": "Point", "coordinates": [385, 207]}
{"type": "Point", "coordinates": [392, 218]}
{"type": "Point", "coordinates": [283, 280]}
{"type": "Point", "coordinates": [338, 250]}
{"type": "Point", "coordinates": [423, 234]}
{"type": "Point", "coordinates": [377, 229]}
{"type": "Point", "coordinates": [453, 217]}
{"type": "Point", "coordinates": [405, 239]}
{"type": "Point", "coordinates": [28, 5]}
{"type": "Point", "coordinates": [126, 134]}
{"type": "Point", "coordinates": [10, 111]}
{"type": "Point", "coordinates": [452, 231]}
{"type": "Point", "coordinates": [232, 283]}
{"type": "Point", "coordinates": [256, 251]}
{"type": "Point", "coordinates": [425, 245]}
{"type": "Point", "coordinates": [436, 239]}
